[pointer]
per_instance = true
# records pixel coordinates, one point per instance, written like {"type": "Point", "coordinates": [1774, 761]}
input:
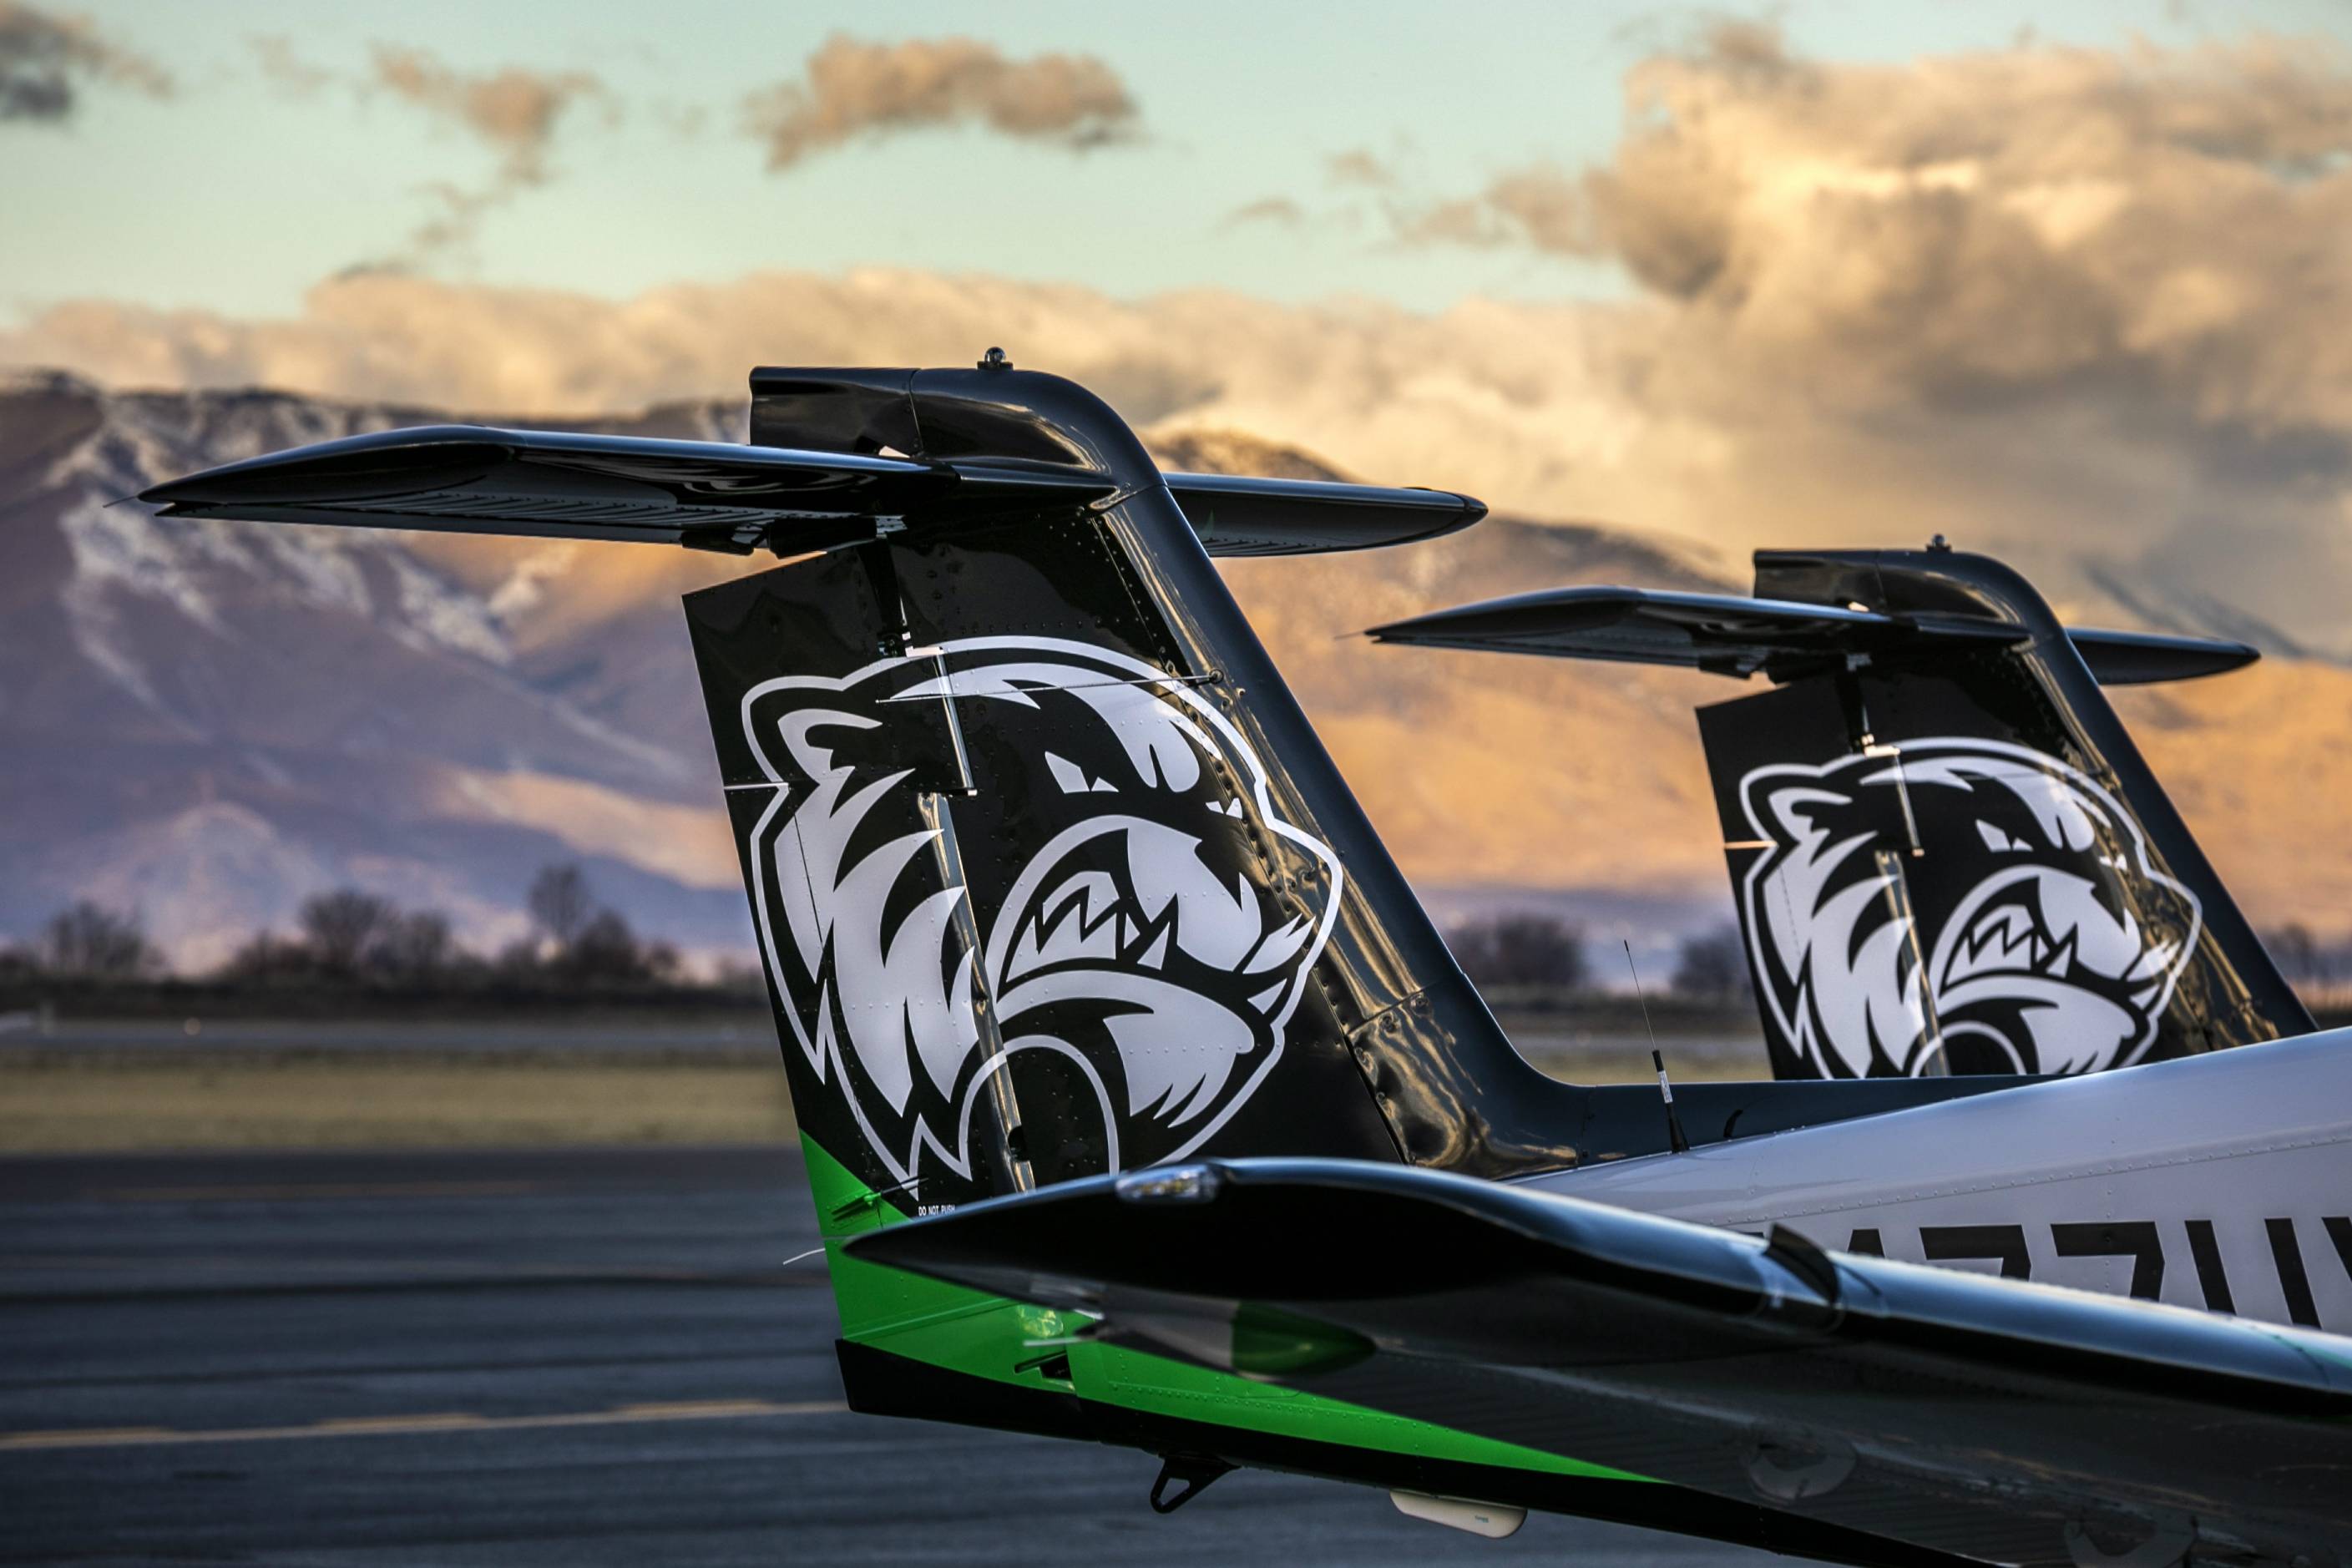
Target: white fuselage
{"type": "Point", "coordinates": [2222, 1181]}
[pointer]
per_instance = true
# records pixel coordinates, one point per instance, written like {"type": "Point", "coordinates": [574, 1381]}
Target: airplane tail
{"type": "Point", "coordinates": [1050, 875]}
{"type": "Point", "coordinates": [1946, 853]}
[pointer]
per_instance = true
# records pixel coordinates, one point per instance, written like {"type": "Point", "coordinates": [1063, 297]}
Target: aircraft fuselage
{"type": "Point", "coordinates": [2222, 1181]}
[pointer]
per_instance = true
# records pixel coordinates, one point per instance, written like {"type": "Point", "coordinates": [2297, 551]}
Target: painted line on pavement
{"type": "Point", "coordinates": [445, 1421]}
{"type": "Point", "coordinates": [281, 1192]}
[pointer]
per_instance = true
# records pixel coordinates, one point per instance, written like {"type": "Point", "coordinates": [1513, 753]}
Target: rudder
{"type": "Point", "coordinates": [1050, 875]}
{"type": "Point", "coordinates": [1950, 856]}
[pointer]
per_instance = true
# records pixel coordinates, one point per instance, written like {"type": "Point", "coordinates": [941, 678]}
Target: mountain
{"type": "Point", "coordinates": [208, 723]}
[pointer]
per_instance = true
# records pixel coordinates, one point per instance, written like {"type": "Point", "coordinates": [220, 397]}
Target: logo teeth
{"type": "Point", "coordinates": [1069, 928]}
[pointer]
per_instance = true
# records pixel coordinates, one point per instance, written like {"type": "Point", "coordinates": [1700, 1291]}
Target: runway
{"type": "Point", "coordinates": [547, 1357]}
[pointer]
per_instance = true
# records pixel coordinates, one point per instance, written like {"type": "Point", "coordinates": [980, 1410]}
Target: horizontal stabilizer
{"type": "Point", "coordinates": [2147, 658]}
{"type": "Point", "coordinates": [710, 495]}
{"type": "Point", "coordinates": [1726, 635]}
{"type": "Point", "coordinates": [1238, 516]}
{"type": "Point", "coordinates": [1820, 1383]}
{"type": "Point", "coordinates": [715, 495]}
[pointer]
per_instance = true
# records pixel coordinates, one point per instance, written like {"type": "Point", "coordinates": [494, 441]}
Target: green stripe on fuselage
{"type": "Point", "coordinates": [989, 1336]}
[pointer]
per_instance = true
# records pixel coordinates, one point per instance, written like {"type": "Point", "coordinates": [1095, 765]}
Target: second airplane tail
{"type": "Point", "coordinates": [1946, 854]}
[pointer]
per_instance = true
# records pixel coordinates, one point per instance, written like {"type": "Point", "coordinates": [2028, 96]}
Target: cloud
{"type": "Point", "coordinates": [1359, 166]}
{"type": "Point", "coordinates": [852, 90]}
{"type": "Point", "coordinates": [514, 113]}
{"type": "Point", "coordinates": [44, 58]}
{"type": "Point", "coordinates": [1277, 210]}
{"type": "Point", "coordinates": [285, 67]}
{"type": "Point", "coordinates": [1957, 225]}
{"type": "Point", "coordinates": [1539, 206]}
{"type": "Point", "coordinates": [2104, 273]}
{"type": "Point", "coordinates": [2072, 306]}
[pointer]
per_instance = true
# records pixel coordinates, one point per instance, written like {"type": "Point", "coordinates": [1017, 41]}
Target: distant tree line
{"type": "Point", "coordinates": [350, 939]}
{"type": "Point", "coordinates": [1526, 953]}
{"type": "Point", "coordinates": [1523, 953]}
{"type": "Point", "coordinates": [2310, 966]}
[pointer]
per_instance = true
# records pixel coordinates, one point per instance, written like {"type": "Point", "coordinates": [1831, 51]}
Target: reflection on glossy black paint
{"type": "Point", "coordinates": [2142, 866]}
{"type": "Point", "coordinates": [1390, 1052]}
{"type": "Point", "coordinates": [1980, 1418]}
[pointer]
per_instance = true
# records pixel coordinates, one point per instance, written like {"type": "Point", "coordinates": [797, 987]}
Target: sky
{"type": "Point", "coordinates": [2060, 282]}
{"type": "Point", "coordinates": [231, 154]}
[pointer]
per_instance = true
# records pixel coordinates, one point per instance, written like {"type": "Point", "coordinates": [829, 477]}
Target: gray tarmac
{"type": "Point", "coordinates": [751, 1039]}
{"type": "Point", "coordinates": [545, 1357]}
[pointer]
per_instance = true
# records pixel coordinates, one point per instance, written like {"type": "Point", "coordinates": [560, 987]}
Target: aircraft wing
{"type": "Point", "coordinates": [1992, 1419]}
{"type": "Point", "coordinates": [718, 495]}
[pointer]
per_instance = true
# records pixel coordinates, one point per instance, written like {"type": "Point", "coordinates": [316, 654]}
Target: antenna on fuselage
{"type": "Point", "coordinates": [1675, 1139]}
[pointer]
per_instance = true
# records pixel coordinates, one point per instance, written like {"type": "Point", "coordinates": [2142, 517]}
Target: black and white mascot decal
{"type": "Point", "coordinates": [2050, 942]}
{"type": "Point", "coordinates": [1120, 891]}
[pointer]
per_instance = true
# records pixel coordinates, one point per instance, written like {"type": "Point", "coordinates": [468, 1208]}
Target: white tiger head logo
{"type": "Point", "coordinates": [1121, 894]}
{"type": "Point", "coordinates": [2049, 942]}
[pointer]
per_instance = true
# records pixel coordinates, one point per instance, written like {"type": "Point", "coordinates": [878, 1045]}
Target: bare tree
{"type": "Point", "coordinates": [663, 962]}
{"type": "Point", "coordinates": [560, 903]}
{"type": "Point", "coordinates": [416, 944]}
{"type": "Point", "coordinates": [608, 950]}
{"type": "Point", "coordinates": [89, 940]}
{"type": "Point", "coordinates": [340, 927]}
{"type": "Point", "coordinates": [266, 956]}
{"type": "Point", "coordinates": [1712, 966]}
{"type": "Point", "coordinates": [741, 976]}
{"type": "Point", "coordinates": [605, 945]}
{"type": "Point", "coordinates": [1521, 950]}
{"type": "Point", "coordinates": [2297, 954]}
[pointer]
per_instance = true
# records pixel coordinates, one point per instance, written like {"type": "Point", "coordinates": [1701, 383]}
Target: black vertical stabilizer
{"type": "Point", "coordinates": [1050, 872]}
{"type": "Point", "coordinates": [1949, 854]}
{"type": "Point", "coordinates": [1175, 926]}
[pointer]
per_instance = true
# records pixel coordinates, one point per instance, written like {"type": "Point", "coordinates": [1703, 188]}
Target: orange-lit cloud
{"type": "Point", "coordinates": [2068, 303]}
{"type": "Point", "coordinates": [851, 90]}
{"type": "Point", "coordinates": [285, 67]}
{"type": "Point", "coordinates": [1951, 227]}
{"type": "Point", "coordinates": [45, 58]}
{"type": "Point", "coordinates": [514, 113]}
{"type": "Point", "coordinates": [1359, 166]}
{"type": "Point", "coordinates": [1279, 211]}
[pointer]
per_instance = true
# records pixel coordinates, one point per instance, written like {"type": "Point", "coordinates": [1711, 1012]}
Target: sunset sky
{"type": "Point", "coordinates": [230, 155]}
{"type": "Point", "coordinates": [2064, 281]}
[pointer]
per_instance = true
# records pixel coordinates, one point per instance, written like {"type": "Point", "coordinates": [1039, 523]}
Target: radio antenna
{"type": "Point", "coordinates": [1675, 1139]}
